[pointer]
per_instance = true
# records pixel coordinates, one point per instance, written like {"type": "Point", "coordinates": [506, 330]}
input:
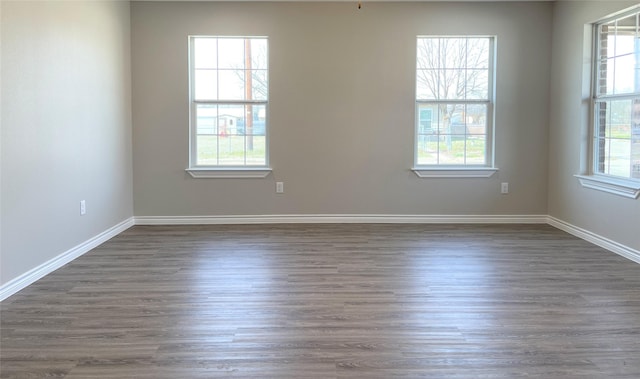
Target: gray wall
{"type": "Point", "coordinates": [341, 108]}
{"type": "Point", "coordinates": [608, 215]}
{"type": "Point", "coordinates": [342, 116]}
{"type": "Point", "coordinates": [66, 127]}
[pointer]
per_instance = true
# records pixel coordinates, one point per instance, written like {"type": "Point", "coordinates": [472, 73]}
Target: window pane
{"type": "Point", "coordinates": [205, 52]}
{"type": "Point", "coordinates": [206, 84]}
{"type": "Point", "coordinates": [618, 157]}
{"type": "Point", "coordinates": [258, 116]}
{"type": "Point", "coordinates": [221, 136]}
{"type": "Point", "coordinates": [451, 138]}
{"type": "Point", "coordinates": [228, 69]}
{"type": "Point", "coordinates": [427, 150]}
{"type": "Point", "coordinates": [477, 85]}
{"type": "Point", "coordinates": [256, 150]}
{"type": "Point", "coordinates": [231, 53]}
{"type": "Point", "coordinates": [427, 134]}
{"type": "Point", "coordinates": [476, 115]}
{"type": "Point", "coordinates": [625, 35]}
{"type": "Point", "coordinates": [231, 84]}
{"type": "Point", "coordinates": [452, 84]}
{"type": "Point", "coordinates": [231, 119]}
{"type": "Point", "coordinates": [618, 69]}
{"type": "Point", "coordinates": [476, 149]}
{"type": "Point", "coordinates": [453, 70]}
{"type": "Point", "coordinates": [427, 85]}
{"type": "Point", "coordinates": [426, 122]}
{"type": "Point", "coordinates": [207, 150]}
{"type": "Point", "coordinates": [478, 53]}
{"type": "Point", "coordinates": [259, 53]}
{"type": "Point", "coordinates": [452, 149]}
{"type": "Point", "coordinates": [427, 53]}
{"type": "Point", "coordinates": [614, 144]}
{"type": "Point", "coordinates": [624, 74]}
{"type": "Point", "coordinates": [624, 44]}
{"type": "Point", "coordinates": [453, 53]}
{"type": "Point", "coordinates": [452, 116]}
{"type": "Point", "coordinates": [231, 150]}
{"type": "Point", "coordinates": [451, 134]}
{"type": "Point", "coordinates": [206, 119]}
{"type": "Point", "coordinates": [206, 138]}
{"type": "Point", "coordinates": [619, 125]}
{"type": "Point", "coordinates": [259, 85]}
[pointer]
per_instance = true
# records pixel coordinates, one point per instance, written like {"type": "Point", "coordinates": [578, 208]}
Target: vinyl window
{"type": "Point", "coordinates": [229, 97]}
{"type": "Point", "coordinates": [616, 97]}
{"type": "Point", "coordinates": [454, 101]}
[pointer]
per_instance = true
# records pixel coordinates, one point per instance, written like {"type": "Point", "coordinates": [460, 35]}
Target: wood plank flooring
{"type": "Point", "coordinates": [330, 301]}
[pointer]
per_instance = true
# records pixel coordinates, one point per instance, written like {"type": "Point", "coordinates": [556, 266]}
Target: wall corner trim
{"type": "Point", "coordinates": [596, 239]}
{"type": "Point", "coordinates": [31, 276]}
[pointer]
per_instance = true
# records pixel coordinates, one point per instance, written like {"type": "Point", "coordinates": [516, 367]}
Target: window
{"type": "Point", "coordinates": [454, 102]}
{"type": "Point", "coordinates": [616, 97]}
{"type": "Point", "coordinates": [229, 99]}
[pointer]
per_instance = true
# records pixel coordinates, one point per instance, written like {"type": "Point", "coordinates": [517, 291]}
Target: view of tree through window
{"type": "Point", "coordinates": [454, 100]}
{"type": "Point", "coordinates": [229, 91]}
{"type": "Point", "coordinates": [617, 97]}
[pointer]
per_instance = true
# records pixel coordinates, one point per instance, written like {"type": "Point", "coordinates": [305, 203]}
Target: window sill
{"type": "Point", "coordinates": [620, 187]}
{"type": "Point", "coordinates": [229, 173]}
{"type": "Point", "coordinates": [449, 172]}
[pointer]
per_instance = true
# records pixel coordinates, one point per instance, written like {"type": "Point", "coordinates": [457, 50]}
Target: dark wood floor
{"type": "Point", "coordinates": [330, 301]}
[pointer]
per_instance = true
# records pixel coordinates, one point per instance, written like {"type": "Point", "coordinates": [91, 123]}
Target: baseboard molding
{"type": "Point", "coordinates": [586, 235]}
{"type": "Point", "coordinates": [31, 276]}
{"type": "Point", "coordinates": [342, 219]}
{"type": "Point", "coordinates": [35, 274]}
{"type": "Point", "coordinates": [596, 239]}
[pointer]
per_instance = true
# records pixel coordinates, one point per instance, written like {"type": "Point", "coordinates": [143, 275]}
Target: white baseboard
{"type": "Point", "coordinates": [33, 275]}
{"type": "Point", "coordinates": [596, 239]}
{"type": "Point", "coordinates": [342, 219]}
{"type": "Point", "coordinates": [29, 277]}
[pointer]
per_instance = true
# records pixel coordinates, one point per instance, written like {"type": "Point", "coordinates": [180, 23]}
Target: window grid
{"type": "Point", "coordinates": [616, 98]}
{"type": "Point", "coordinates": [229, 111]}
{"type": "Point", "coordinates": [449, 71]}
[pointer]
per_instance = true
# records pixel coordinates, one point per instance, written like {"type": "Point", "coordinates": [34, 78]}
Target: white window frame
{"type": "Point", "coordinates": [485, 170]}
{"type": "Point", "coordinates": [222, 171]}
{"type": "Point", "coordinates": [623, 186]}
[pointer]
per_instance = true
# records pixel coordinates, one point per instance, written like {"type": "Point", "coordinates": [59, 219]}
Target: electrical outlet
{"type": "Point", "coordinates": [279, 187]}
{"type": "Point", "coordinates": [83, 208]}
{"type": "Point", "coordinates": [504, 188]}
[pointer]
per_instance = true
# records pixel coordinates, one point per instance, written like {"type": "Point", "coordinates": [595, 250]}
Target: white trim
{"type": "Point", "coordinates": [31, 276]}
{"type": "Point", "coordinates": [620, 187]}
{"type": "Point", "coordinates": [229, 173]}
{"type": "Point", "coordinates": [490, 103]}
{"type": "Point", "coordinates": [46, 268]}
{"type": "Point", "coordinates": [596, 239]}
{"type": "Point", "coordinates": [342, 219]}
{"type": "Point", "coordinates": [467, 172]}
{"type": "Point", "coordinates": [223, 172]}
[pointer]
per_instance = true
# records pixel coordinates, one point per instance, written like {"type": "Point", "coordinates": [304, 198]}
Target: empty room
{"type": "Point", "coordinates": [320, 189]}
